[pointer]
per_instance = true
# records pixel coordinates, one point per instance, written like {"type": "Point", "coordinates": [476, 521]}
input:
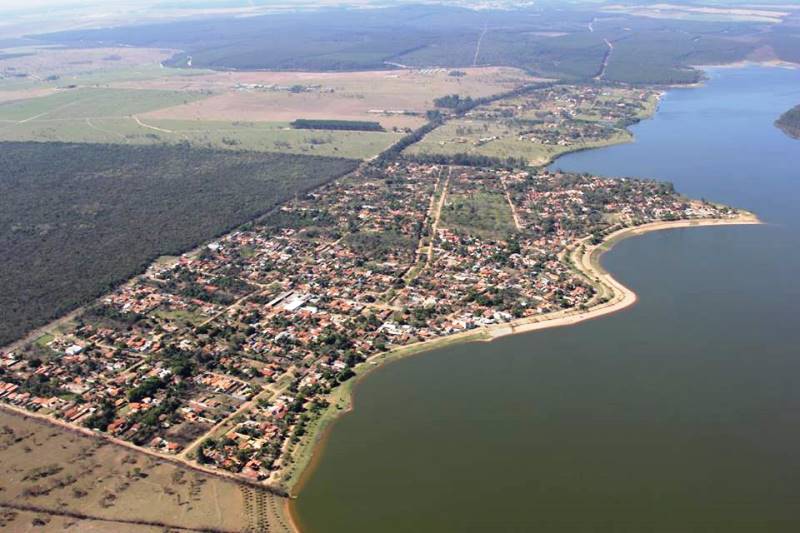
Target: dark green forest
{"type": "Point", "coordinates": [789, 122]}
{"type": "Point", "coordinates": [346, 125]}
{"type": "Point", "coordinates": [78, 219]}
{"type": "Point", "coordinates": [568, 43]}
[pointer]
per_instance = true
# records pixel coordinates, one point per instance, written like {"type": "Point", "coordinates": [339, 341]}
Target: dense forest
{"type": "Point", "coordinates": [789, 122]}
{"type": "Point", "coordinates": [77, 219]}
{"type": "Point", "coordinates": [570, 43]}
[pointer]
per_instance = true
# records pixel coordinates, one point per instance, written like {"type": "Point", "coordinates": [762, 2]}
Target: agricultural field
{"type": "Point", "coordinates": [275, 137]}
{"type": "Point", "coordinates": [68, 105]}
{"type": "Point", "coordinates": [540, 126]}
{"type": "Point", "coordinates": [77, 219]}
{"type": "Point", "coordinates": [396, 98]}
{"type": "Point", "coordinates": [58, 480]}
{"type": "Point", "coordinates": [138, 102]}
{"type": "Point", "coordinates": [115, 115]}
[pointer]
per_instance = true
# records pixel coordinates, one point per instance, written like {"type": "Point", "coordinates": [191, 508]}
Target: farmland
{"type": "Point", "coordinates": [79, 104]}
{"type": "Point", "coordinates": [79, 218]}
{"type": "Point", "coordinates": [396, 98]}
{"type": "Point", "coordinates": [276, 137]}
{"type": "Point", "coordinates": [140, 103]}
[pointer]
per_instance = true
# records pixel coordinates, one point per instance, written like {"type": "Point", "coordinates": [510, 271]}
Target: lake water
{"type": "Point", "coordinates": [681, 414]}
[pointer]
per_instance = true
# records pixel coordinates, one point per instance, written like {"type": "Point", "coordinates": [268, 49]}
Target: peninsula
{"type": "Point", "coordinates": [234, 357]}
{"type": "Point", "coordinates": [789, 122]}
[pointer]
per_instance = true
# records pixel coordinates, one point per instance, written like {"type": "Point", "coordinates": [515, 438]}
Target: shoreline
{"type": "Point", "coordinates": [772, 63]}
{"type": "Point", "coordinates": [585, 259]}
{"type": "Point", "coordinates": [626, 135]}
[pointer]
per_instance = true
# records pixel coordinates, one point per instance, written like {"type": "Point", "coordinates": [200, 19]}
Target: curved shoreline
{"type": "Point", "coordinates": [585, 259]}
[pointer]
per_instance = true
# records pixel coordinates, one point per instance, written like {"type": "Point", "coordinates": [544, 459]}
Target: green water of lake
{"type": "Point", "coordinates": [681, 414]}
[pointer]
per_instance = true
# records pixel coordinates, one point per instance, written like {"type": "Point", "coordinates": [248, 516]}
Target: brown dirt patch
{"type": "Point", "coordinates": [10, 96]}
{"type": "Point", "coordinates": [58, 473]}
{"type": "Point", "coordinates": [343, 96]}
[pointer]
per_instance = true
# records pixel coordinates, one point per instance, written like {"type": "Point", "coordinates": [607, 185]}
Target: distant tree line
{"type": "Point", "coordinates": [467, 160]}
{"type": "Point", "coordinates": [347, 125]}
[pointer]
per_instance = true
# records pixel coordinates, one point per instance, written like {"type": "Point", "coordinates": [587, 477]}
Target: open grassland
{"type": "Point", "coordinates": [59, 66]}
{"type": "Point", "coordinates": [92, 115]}
{"type": "Point", "coordinates": [77, 219]}
{"type": "Point", "coordinates": [396, 99]}
{"type": "Point", "coordinates": [484, 213]}
{"type": "Point", "coordinates": [239, 110]}
{"type": "Point", "coordinates": [146, 104]}
{"type": "Point", "coordinates": [79, 104]}
{"type": "Point", "coordinates": [57, 480]}
{"type": "Point", "coordinates": [236, 136]}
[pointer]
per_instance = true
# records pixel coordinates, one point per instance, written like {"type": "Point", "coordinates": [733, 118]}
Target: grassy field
{"type": "Point", "coordinates": [250, 136]}
{"type": "Point", "coordinates": [125, 96]}
{"type": "Point", "coordinates": [146, 105]}
{"type": "Point", "coordinates": [58, 472]}
{"type": "Point", "coordinates": [485, 214]}
{"type": "Point", "coordinates": [397, 98]}
{"type": "Point", "coordinates": [81, 103]}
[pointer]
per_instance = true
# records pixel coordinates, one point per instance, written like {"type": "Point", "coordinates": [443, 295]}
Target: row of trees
{"type": "Point", "coordinates": [346, 125]}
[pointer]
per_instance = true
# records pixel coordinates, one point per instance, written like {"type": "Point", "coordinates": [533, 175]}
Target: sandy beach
{"type": "Point", "coordinates": [588, 262]}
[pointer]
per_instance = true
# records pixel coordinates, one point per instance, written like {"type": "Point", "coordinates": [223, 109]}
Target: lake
{"type": "Point", "coordinates": [681, 413]}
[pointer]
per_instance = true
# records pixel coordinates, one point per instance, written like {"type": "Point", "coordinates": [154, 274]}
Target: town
{"type": "Point", "coordinates": [222, 357]}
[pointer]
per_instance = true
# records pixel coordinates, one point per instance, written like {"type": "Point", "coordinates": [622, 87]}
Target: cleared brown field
{"type": "Point", "coordinates": [11, 96]}
{"type": "Point", "coordinates": [262, 96]}
{"type": "Point", "coordinates": [55, 480]}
